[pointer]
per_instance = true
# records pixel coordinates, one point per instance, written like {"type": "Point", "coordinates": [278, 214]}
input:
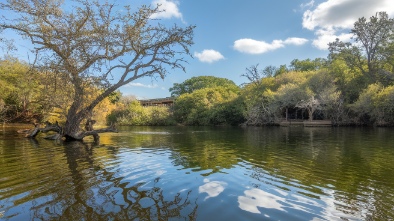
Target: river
{"type": "Point", "coordinates": [201, 173]}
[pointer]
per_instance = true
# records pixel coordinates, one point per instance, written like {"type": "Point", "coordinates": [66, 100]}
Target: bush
{"type": "Point", "coordinates": [137, 115]}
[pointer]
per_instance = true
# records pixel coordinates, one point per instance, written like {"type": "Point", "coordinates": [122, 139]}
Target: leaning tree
{"type": "Point", "coordinates": [95, 44]}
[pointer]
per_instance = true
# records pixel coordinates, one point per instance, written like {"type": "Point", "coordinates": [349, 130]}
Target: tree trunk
{"type": "Point", "coordinates": [72, 130]}
{"type": "Point", "coordinates": [75, 115]}
{"type": "Point", "coordinates": [310, 112]}
{"type": "Point", "coordinates": [287, 113]}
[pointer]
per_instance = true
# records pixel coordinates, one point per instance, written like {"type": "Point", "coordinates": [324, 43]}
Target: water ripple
{"type": "Point", "coordinates": [218, 174]}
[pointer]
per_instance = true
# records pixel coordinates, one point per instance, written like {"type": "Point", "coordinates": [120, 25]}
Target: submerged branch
{"type": "Point", "coordinates": [94, 133]}
{"type": "Point", "coordinates": [48, 127]}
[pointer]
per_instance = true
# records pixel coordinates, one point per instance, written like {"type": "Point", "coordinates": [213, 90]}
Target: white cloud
{"type": "Point", "coordinates": [167, 8]}
{"type": "Point", "coordinates": [209, 56]}
{"type": "Point", "coordinates": [295, 41]}
{"type": "Point", "coordinates": [250, 46]}
{"type": "Point", "coordinates": [258, 198]}
{"type": "Point", "coordinates": [308, 5]}
{"type": "Point", "coordinates": [142, 85]}
{"type": "Point", "coordinates": [326, 36]}
{"type": "Point", "coordinates": [335, 18]}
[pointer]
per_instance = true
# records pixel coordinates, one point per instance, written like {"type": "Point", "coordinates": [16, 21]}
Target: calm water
{"type": "Point", "coordinates": [201, 173]}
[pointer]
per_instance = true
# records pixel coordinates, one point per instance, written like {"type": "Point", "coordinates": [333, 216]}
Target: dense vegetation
{"type": "Point", "coordinates": [354, 85]}
{"type": "Point", "coordinates": [130, 112]}
{"type": "Point", "coordinates": [30, 95]}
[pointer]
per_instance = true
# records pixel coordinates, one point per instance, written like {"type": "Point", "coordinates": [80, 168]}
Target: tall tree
{"type": "Point", "coordinates": [373, 35]}
{"type": "Point", "coordinates": [367, 52]}
{"type": "Point", "coordinates": [91, 43]}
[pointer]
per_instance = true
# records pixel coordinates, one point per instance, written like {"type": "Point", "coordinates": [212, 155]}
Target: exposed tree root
{"type": "Point", "coordinates": [48, 127]}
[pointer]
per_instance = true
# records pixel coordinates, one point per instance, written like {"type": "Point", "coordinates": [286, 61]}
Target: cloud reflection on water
{"type": "Point", "coordinates": [326, 207]}
{"type": "Point", "coordinates": [212, 188]}
{"type": "Point", "coordinates": [258, 198]}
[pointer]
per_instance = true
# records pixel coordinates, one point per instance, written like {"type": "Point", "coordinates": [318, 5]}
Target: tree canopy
{"type": "Point", "coordinates": [94, 44]}
{"type": "Point", "coordinates": [369, 53]}
{"type": "Point", "coordinates": [200, 82]}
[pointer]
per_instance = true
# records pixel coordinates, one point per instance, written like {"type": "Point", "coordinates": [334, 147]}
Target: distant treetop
{"type": "Point", "coordinates": [196, 83]}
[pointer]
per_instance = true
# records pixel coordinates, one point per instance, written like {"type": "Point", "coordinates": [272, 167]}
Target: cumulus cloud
{"type": "Point", "coordinates": [208, 56]}
{"type": "Point", "coordinates": [168, 9]}
{"type": "Point", "coordinates": [326, 36]}
{"type": "Point", "coordinates": [333, 18]}
{"type": "Point", "coordinates": [132, 84]}
{"type": "Point", "coordinates": [251, 46]}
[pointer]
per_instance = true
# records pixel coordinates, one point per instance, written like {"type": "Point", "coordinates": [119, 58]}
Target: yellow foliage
{"type": "Point", "coordinates": [101, 111]}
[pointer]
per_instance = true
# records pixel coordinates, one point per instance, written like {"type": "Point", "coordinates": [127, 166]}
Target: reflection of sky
{"type": "Point", "coordinates": [271, 196]}
{"type": "Point", "coordinates": [258, 198]}
{"type": "Point", "coordinates": [294, 203]}
{"type": "Point", "coordinates": [212, 188]}
{"type": "Point", "coordinates": [332, 208]}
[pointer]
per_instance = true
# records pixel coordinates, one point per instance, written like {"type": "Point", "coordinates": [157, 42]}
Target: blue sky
{"type": "Point", "coordinates": [233, 35]}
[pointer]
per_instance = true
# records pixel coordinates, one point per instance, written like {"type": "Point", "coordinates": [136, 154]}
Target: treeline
{"type": "Point", "coordinates": [354, 85]}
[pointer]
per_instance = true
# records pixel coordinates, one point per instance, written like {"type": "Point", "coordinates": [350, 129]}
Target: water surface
{"type": "Point", "coordinates": [201, 173]}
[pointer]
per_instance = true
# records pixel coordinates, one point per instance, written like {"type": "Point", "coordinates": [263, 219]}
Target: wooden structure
{"type": "Point", "coordinates": [306, 123]}
{"type": "Point", "coordinates": [168, 101]}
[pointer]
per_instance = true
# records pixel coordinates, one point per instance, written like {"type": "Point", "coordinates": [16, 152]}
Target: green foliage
{"type": "Point", "coordinates": [293, 77]}
{"type": "Point", "coordinates": [115, 96]}
{"type": "Point", "coordinates": [260, 106]}
{"type": "Point", "coordinates": [20, 91]}
{"type": "Point", "coordinates": [196, 83]}
{"type": "Point", "coordinates": [208, 106]}
{"type": "Point", "coordinates": [308, 64]}
{"type": "Point", "coordinates": [228, 113]}
{"type": "Point", "coordinates": [137, 115]}
{"type": "Point", "coordinates": [319, 80]}
{"type": "Point", "coordinates": [348, 81]}
{"type": "Point", "coordinates": [282, 69]}
{"type": "Point", "coordinates": [376, 105]}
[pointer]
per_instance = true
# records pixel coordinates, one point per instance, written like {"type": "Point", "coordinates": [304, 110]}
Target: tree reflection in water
{"type": "Point", "coordinates": [93, 193]}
